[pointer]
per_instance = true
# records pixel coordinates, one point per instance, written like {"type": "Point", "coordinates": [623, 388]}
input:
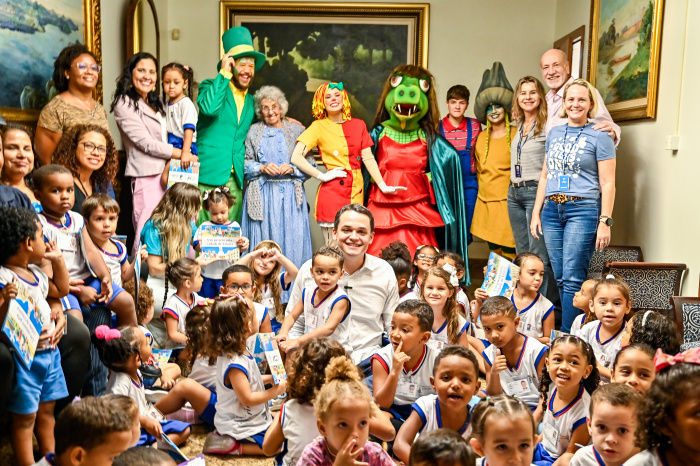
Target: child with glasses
{"type": "Point", "coordinates": [423, 260]}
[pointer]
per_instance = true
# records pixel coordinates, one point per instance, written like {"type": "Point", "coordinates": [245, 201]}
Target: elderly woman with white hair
{"type": "Point", "coordinates": [274, 205]}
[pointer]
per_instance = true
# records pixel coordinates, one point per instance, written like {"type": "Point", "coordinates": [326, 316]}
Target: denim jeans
{"type": "Point", "coordinates": [521, 201]}
{"type": "Point", "coordinates": [570, 231]}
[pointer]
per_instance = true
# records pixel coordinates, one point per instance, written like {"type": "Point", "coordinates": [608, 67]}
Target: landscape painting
{"type": "Point", "coordinates": [624, 55]}
{"type": "Point", "coordinates": [307, 45]}
{"type": "Point", "coordinates": [32, 34]}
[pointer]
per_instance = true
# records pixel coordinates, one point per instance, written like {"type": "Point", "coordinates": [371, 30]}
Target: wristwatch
{"type": "Point", "coordinates": [606, 220]}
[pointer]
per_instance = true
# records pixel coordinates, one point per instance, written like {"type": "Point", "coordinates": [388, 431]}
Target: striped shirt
{"type": "Point", "coordinates": [458, 135]}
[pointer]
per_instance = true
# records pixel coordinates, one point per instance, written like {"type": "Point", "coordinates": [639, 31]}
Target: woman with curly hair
{"type": "Point", "coordinates": [88, 151]}
{"type": "Point", "coordinates": [75, 76]}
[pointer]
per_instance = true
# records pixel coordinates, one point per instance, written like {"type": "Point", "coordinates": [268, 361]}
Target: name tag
{"type": "Point", "coordinates": [436, 344]}
{"type": "Point", "coordinates": [564, 182]}
{"type": "Point", "coordinates": [311, 321]}
{"type": "Point", "coordinates": [518, 171]}
{"type": "Point", "coordinates": [551, 435]}
{"type": "Point", "coordinates": [406, 388]}
{"type": "Point", "coordinates": [518, 387]}
{"type": "Point", "coordinates": [67, 242]}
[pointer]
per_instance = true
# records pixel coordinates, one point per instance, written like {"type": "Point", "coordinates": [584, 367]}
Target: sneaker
{"type": "Point", "coordinates": [153, 395]}
{"type": "Point", "coordinates": [184, 414]}
{"type": "Point", "coordinates": [217, 444]}
{"type": "Point", "coordinates": [276, 403]}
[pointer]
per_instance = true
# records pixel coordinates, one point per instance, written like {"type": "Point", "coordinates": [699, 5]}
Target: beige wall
{"type": "Point", "coordinates": [657, 203]}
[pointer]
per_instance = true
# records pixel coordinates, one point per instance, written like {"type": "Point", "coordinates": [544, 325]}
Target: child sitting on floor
{"type": "Point", "coordinates": [35, 388]}
{"type": "Point", "coordinates": [54, 189]}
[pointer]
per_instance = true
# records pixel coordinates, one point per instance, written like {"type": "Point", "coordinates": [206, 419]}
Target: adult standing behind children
{"type": "Point", "coordinates": [75, 76]}
{"type": "Point", "coordinates": [556, 75]}
{"type": "Point", "coordinates": [368, 281]}
{"type": "Point", "coordinates": [462, 132]}
{"type": "Point", "coordinates": [226, 112]}
{"type": "Point", "coordinates": [526, 159]}
{"type": "Point", "coordinates": [140, 116]}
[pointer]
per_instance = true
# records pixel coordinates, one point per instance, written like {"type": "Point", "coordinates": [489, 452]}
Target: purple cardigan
{"type": "Point", "coordinates": [146, 153]}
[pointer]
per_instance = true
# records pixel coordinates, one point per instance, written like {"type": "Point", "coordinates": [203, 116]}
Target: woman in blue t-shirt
{"type": "Point", "coordinates": [576, 193]}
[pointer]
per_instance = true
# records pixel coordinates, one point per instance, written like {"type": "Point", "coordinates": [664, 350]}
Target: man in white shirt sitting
{"type": "Point", "coordinates": [368, 281]}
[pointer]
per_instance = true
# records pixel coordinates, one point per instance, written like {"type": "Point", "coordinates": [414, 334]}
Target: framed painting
{"type": "Point", "coordinates": [307, 44]}
{"type": "Point", "coordinates": [623, 55]}
{"type": "Point", "coordinates": [32, 34]}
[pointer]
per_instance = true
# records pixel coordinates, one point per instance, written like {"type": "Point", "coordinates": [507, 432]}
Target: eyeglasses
{"type": "Point", "coordinates": [271, 109]}
{"type": "Point", "coordinates": [83, 67]}
{"type": "Point", "coordinates": [233, 288]}
{"type": "Point", "coordinates": [425, 257]}
{"type": "Point", "coordinates": [90, 147]}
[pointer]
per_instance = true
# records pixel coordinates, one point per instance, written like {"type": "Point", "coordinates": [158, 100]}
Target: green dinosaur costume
{"type": "Point", "coordinates": [410, 152]}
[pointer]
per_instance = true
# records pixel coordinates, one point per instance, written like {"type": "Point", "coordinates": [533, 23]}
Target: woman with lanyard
{"type": "Point", "coordinates": [527, 156]}
{"type": "Point", "coordinates": [576, 193]}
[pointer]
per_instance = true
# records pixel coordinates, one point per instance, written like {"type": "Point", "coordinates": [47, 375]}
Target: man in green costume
{"type": "Point", "coordinates": [225, 115]}
{"type": "Point", "coordinates": [410, 152]}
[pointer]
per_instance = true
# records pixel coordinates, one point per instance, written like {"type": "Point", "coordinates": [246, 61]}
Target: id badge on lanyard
{"type": "Point", "coordinates": [564, 179]}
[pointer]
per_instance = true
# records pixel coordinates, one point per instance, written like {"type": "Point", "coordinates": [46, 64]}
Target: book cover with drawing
{"type": "Point", "coordinates": [220, 241]}
{"type": "Point", "coordinates": [501, 275]}
{"type": "Point", "coordinates": [173, 450]}
{"type": "Point", "coordinates": [178, 174]}
{"type": "Point", "coordinates": [23, 324]}
{"type": "Point", "coordinates": [268, 343]}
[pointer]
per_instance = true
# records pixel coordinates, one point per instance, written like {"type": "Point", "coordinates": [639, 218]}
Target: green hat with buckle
{"type": "Point", "coordinates": [238, 42]}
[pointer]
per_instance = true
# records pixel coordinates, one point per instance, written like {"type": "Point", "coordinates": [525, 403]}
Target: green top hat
{"type": "Point", "coordinates": [239, 43]}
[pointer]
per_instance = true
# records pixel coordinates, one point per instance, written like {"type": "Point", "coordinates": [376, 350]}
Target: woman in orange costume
{"type": "Point", "coordinates": [344, 145]}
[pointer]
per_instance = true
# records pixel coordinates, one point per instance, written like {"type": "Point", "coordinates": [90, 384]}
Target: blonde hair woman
{"type": "Point", "coordinates": [576, 194]}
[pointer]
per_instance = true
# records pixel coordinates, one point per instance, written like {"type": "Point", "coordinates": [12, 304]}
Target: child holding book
{"type": "Point", "coordinates": [37, 387]}
{"type": "Point", "coordinates": [217, 202]}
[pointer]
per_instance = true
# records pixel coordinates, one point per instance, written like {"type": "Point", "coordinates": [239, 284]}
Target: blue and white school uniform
{"type": "Point", "coordinates": [268, 300]}
{"type": "Point", "coordinates": [428, 409]}
{"type": "Point", "coordinates": [115, 261]}
{"type": "Point", "coordinates": [412, 384]}
{"type": "Point", "coordinates": [605, 351]}
{"type": "Point", "coordinates": [558, 427]}
{"type": "Point", "coordinates": [205, 375]}
{"type": "Point", "coordinates": [299, 427]}
{"type": "Point", "coordinates": [406, 296]}
{"type": "Point", "coordinates": [44, 381]}
{"type": "Point", "coordinates": [533, 316]}
{"type": "Point", "coordinates": [589, 456]}
{"type": "Point", "coordinates": [178, 308]}
{"type": "Point", "coordinates": [149, 335]}
{"type": "Point", "coordinates": [317, 312]}
{"type": "Point", "coordinates": [463, 301]}
{"type": "Point", "coordinates": [69, 239]}
{"type": "Point", "coordinates": [213, 272]}
{"type": "Point", "coordinates": [653, 457]}
{"type": "Point", "coordinates": [180, 116]}
{"type": "Point", "coordinates": [521, 381]}
{"type": "Point", "coordinates": [120, 383]}
{"type": "Point", "coordinates": [243, 423]}
{"type": "Point", "coordinates": [577, 324]}
{"type": "Point", "coordinates": [439, 338]}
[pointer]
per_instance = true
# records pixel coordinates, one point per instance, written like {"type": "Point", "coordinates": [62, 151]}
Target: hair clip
{"type": "Point", "coordinates": [205, 302]}
{"type": "Point", "coordinates": [663, 360]}
{"type": "Point", "coordinates": [241, 297]}
{"type": "Point", "coordinates": [186, 67]}
{"type": "Point", "coordinates": [644, 318]}
{"type": "Point", "coordinates": [449, 268]}
{"type": "Point", "coordinates": [206, 196]}
{"type": "Point", "coordinates": [102, 332]}
{"type": "Point", "coordinates": [610, 277]}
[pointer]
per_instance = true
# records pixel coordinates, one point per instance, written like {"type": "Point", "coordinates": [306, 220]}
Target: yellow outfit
{"type": "Point", "coordinates": [491, 222]}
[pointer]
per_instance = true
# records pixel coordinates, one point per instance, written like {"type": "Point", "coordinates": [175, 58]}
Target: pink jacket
{"type": "Point", "coordinates": [142, 135]}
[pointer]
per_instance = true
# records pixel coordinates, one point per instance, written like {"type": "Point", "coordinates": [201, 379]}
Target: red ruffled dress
{"type": "Point", "coordinates": [408, 216]}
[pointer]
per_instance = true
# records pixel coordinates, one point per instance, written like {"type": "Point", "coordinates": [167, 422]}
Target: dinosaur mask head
{"type": "Point", "coordinates": [408, 101]}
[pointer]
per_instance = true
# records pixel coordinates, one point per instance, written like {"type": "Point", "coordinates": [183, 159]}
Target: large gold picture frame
{"type": "Point", "coordinates": [309, 43]}
{"type": "Point", "coordinates": [37, 37]}
{"type": "Point", "coordinates": [623, 55]}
